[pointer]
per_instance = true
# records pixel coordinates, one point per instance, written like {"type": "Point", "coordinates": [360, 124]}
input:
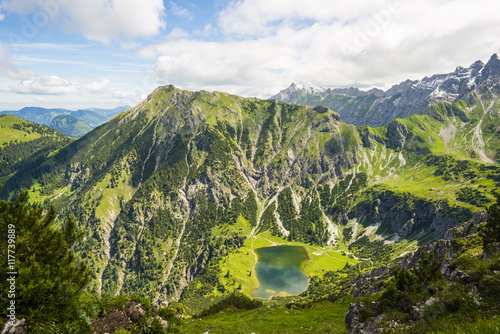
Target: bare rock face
{"type": "Point", "coordinates": [396, 135]}
{"type": "Point", "coordinates": [121, 318]}
{"type": "Point", "coordinates": [18, 327]}
{"type": "Point", "coordinates": [352, 316]}
{"type": "Point", "coordinates": [370, 282]}
{"type": "Point", "coordinates": [406, 215]}
{"type": "Point", "coordinates": [444, 249]}
{"type": "Point", "coordinates": [353, 324]}
{"type": "Point", "coordinates": [464, 230]}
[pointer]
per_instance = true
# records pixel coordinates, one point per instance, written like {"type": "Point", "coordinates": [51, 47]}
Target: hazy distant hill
{"type": "Point", "coordinates": [70, 126]}
{"type": "Point", "coordinates": [92, 117]}
{"type": "Point", "coordinates": [107, 112]}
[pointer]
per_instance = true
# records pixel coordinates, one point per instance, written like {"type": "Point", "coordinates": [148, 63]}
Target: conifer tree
{"type": "Point", "coordinates": [490, 231]}
{"type": "Point", "coordinates": [49, 279]}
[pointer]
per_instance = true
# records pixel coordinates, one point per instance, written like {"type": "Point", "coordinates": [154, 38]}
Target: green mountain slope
{"type": "Point", "coordinates": [70, 126]}
{"type": "Point", "coordinates": [25, 145]}
{"type": "Point", "coordinates": [183, 187]}
{"type": "Point", "coordinates": [13, 129]}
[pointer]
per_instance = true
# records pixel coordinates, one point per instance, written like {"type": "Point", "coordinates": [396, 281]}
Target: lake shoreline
{"type": "Point", "coordinates": [279, 271]}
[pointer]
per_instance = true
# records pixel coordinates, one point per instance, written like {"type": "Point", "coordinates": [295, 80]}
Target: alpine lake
{"type": "Point", "coordinates": [279, 271]}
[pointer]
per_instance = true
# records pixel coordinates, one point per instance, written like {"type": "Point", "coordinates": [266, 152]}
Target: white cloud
{"type": "Point", "coordinates": [46, 85]}
{"type": "Point", "coordinates": [54, 85]}
{"type": "Point", "coordinates": [267, 44]}
{"type": "Point", "coordinates": [21, 74]}
{"type": "Point", "coordinates": [260, 17]}
{"type": "Point", "coordinates": [99, 20]}
{"type": "Point", "coordinates": [3, 52]}
{"type": "Point", "coordinates": [97, 86]}
{"type": "Point", "coordinates": [180, 11]}
{"type": "Point", "coordinates": [127, 97]}
{"type": "Point", "coordinates": [32, 83]}
{"type": "Point", "coordinates": [124, 94]}
{"type": "Point", "coordinates": [12, 72]}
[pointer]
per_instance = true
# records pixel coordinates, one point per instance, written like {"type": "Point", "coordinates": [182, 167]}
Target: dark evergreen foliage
{"type": "Point", "coordinates": [239, 301]}
{"type": "Point", "coordinates": [49, 279]}
{"type": "Point", "coordinates": [490, 231]}
{"type": "Point", "coordinates": [268, 220]}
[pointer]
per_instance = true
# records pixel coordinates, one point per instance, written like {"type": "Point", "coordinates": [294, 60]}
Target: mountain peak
{"type": "Point", "coordinates": [490, 75]}
{"type": "Point", "coordinates": [494, 61]}
{"type": "Point", "coordinates": [297, 86]}
{"type": "Point", "coordinates": [377, 107]}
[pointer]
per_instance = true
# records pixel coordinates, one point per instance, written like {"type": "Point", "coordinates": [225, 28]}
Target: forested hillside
{"type": "Point", "coordinates": [24, 146]}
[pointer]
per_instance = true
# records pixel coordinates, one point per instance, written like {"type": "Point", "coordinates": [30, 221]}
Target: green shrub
{"type": "Point", "coordinates": [406, 280]}
{"type": "Point", "coordinates": [239, 301]}
{"type": "Point", "coordinates": [429, 268]}
{"type": "Point", "coordinates": [122, 331]}
{"type": "Point", "coordinates": [153, 326]}
{"type": "Point", "coordinates": [489, 287]}
{"type": "Point", "coordinates": [463, 262]}
{"type": "Point", "coordinates": [490, 231]}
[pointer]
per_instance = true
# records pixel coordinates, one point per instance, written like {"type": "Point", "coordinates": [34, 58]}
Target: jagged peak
{"type": "Point", "coordinates": [477, 64]}
{"type": "Point", "coordinates": [307, 88]}
{"type": "Point", "coordinates": [164, 88]}
{"type": "Point", "coordinates": [494, 57]}
{"type": "Point", "coordinates": [491, 71]}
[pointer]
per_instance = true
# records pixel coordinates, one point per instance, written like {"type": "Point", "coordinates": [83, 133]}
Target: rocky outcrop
{"type": "Point", "coordinates": [469, 228]}
{"type": "Point", "coordinates": [369, 139]}
{"type": "Point", "coordinates": [18, 326]}
{"type": "Point", "coordinates": [353, 315]}
{"type": "Point", "coordinates": [445, 249]}
{"type": "Point", "coordinates": [125, 317]}
{"type": "Point", "coordinates": [396, 135]}
{"type": "Point", "coordinates": [490, 76]}
{"type": "Point", "coordinates": [353, 324]}
{"type": "Point", "coordinates": [370, 282]}
{"type": "Point", "coordinates": [406, 215]}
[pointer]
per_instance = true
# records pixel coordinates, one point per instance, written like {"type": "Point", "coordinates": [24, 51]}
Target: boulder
{"type": "Point", "coordinates": [17, 327]}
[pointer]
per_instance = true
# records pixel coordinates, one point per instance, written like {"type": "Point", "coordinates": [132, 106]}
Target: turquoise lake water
{"type": "Point", "coordinates": [279, 271]}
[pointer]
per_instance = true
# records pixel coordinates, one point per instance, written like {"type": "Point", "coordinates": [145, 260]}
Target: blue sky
{"type": "Point", "coordinates": [106, 53]}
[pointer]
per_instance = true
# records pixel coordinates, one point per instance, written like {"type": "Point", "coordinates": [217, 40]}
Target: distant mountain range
{"type": "Point", "coordinates": [73, 123]}
{"type": "Point", "coordinates": [411, 97]}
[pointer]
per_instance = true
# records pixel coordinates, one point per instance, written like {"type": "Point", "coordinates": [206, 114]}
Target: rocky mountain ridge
{"type": "Point", "coordinates": [411, 97]}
